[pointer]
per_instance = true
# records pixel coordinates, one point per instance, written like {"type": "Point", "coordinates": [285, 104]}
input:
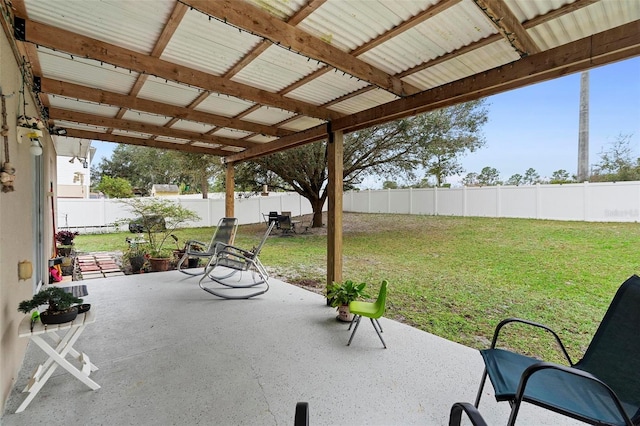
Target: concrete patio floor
{"type": "Point", "coordinates": [171, 354]}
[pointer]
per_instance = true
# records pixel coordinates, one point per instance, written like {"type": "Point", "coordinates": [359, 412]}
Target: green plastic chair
{"type": "Point", "coordinates": [602, 388]}
{"type": "Point", "coordinates": [373, 311]}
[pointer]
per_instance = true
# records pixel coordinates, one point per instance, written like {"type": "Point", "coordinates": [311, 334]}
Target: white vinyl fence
{"type": "Point", "coordinates": [593, 202]}
{"type": "Point", "coordinates": [99, 215]}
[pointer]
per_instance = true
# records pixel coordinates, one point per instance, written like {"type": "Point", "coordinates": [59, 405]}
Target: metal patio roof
{"type": "Point", "coordinates": [240, 79]}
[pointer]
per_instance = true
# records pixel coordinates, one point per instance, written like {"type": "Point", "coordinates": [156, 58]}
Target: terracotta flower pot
{"type": "Point", "coordinates": [159, 264]}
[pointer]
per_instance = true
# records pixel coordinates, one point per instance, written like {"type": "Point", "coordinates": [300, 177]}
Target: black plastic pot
{"type": "Point", "coordinates": [59, 317]}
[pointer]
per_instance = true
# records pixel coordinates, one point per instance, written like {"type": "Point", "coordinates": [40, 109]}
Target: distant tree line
{"type": "Point", "coordinates": [618, 163]}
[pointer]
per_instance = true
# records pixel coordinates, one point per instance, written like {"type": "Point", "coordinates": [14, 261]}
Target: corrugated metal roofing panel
{"type": "Point", "coordinates": [227, 106]}
{"type": "Point", "coordinates": [329, 86]}
{"type": "Point", "coordinates": [449, 30]}
{"type": "Point", "coordinates": [266, 115]}
{"type": "Point", "coordinates": [131, 134]}
{"type": "Point", "coordinates": [207, 145]}
{"type": "Point", "coordinates": [60, 66]}
{"type": "Point", "coordinates": [192, 126]}
{"type": "Point", "coordinates": [83, 106]}
{"type": "Point", "coordinates": [261, 138]}
{"type": "Point", "coordinates": [487, 57]}
{"type": "Point", "coordinates": [159, 90]}
{"type": "Point", "coordinates": [583, 22]}
{"type": "Point", "coordinates": [525, 10]}
{"type": "Point", "coordinates": [349, 24]}
{"type": "Point", "coordinates": [302, 123]}
{"type": "Point", "coordinates": [231, 149]}
{"type": "Point", "coordinates": [143, 117]}
{"type": "Point", "coordinates": [133, 24]}
{"type": "Point", "coordinates": [73, 125]}
{"type": "Point", "coordinates": [172, 140]}
{"type": "Point", "coordinates": [275, 69]}
{"type": "Point", "coordinates": [282, 9]}
{"type": "Point", "coordinates": [364, 101]}
{"type": "Point", "coordinates": [230, 133]}
{"type": "Point", "coordinates": [207, 44]}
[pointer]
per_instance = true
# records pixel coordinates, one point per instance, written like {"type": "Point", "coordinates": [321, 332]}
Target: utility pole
{"type": "Point", "coordinates": [583, 132]}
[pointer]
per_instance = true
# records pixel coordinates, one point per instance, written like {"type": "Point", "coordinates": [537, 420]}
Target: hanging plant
{"type": "Point", "coordinates": [65, 237]}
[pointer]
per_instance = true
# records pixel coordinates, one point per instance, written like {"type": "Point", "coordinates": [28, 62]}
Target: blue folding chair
{"type": "Point", "coordinates": [602, 388]}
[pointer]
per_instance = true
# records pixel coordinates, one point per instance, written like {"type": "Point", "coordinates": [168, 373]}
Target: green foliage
{"type": "Point", "coordinates": [531, 177]}
{"type": "Point", "coordinates": [55, 297]}
{"type": "Point", "coordinates": [143, 167]}
{"type": "Point", "coordinates": [489, 176]}
{"type": "Point", "coordinates": [446, 134]}
{"type": "Point", "coordinates": [432, 141]}
{"type": "Point", "coordinates": [115, 187]}
{"type": "Point", "coordinates": [515, 180]}
{"type": "Point", "coordinates": [340, 294]}
{"type": "Point", "coordinates": [389, 184]}
{"type": "Point", "coordinates": [471, 179]}
{"type": "Point", "coordinates": [618, 163]}
{"type": "Point", "coordinates": [561, 176]}
{"type": "Point", "coordinates": [148, 210]}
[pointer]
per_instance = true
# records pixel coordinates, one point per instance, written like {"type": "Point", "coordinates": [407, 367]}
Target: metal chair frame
{"type": "Point", "coordinates": [225, 224]}
{"type": "Point", "coordinates": [238, 260]}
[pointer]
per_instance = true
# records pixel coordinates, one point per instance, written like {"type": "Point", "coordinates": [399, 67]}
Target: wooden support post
{"type": "Point", "coordinates": [335, 153]}
{"type": "Point", "coordinates": [229, 197]}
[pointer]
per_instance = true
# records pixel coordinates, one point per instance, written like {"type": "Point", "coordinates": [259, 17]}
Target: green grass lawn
{"type": "Point", "coordinates": [458, 277]}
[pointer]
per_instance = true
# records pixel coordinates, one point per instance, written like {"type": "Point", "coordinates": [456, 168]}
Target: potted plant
{"type": "Point", "coordinates": [60, 307]}
{"type": "Point", "coordinates": [65, 240]}
{"type": "Point", "coordinates": [158, 218]}
{"type": "Point", "coordinates": [192, 262]}
{"type": "Point", "coordinates": [65, 237]}
{"type": "Point", "coordinates": [341, 294]}
{"type": "Point", "coordinates": [136, 255]}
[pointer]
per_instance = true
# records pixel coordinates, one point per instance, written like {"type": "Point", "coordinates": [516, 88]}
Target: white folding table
{"type": "Point", "coordinates": [61, 346]}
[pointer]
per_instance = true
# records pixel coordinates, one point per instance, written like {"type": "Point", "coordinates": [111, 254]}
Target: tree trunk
{"type": "Point", "coordinates": [204, 184]}
{"type": "Point", "coordinates": [317, 213]}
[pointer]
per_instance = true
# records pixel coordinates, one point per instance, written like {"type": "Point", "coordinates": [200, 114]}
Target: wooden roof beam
{"type": "Point", "coordinates": [508, 25]}
{"type": "Point", "coordinates": [79, 45]}
{"type": "Point", "coordinates": [127, 102]}
{"type": "Point", "coordinates": [134, 126]}
{"type": "Point", "coordinates": [151, 143]}
{"type": "Point", "coordinates": [599, 49]}
{"type": "Point", "coordinates": [257, 21]}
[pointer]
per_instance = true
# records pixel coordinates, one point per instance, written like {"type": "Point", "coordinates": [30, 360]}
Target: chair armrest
{"type": "Point", "coordinates": [539, 366]}
{"type": "Point", "coordinates": [455, 417]}
{"type": "Point", "coordinates": [229, 250]}
{"type": "Point", "coordinates": [504, 322]}
{"type": "Point", "coordinates": [189, 243]}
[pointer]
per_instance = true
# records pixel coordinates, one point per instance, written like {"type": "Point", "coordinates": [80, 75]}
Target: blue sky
{"type": "Point", "coordinates": [537, 126]}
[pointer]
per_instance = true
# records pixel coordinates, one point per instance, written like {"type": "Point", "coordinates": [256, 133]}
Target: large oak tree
{"type": "Point", "coordinates": [431, 143]}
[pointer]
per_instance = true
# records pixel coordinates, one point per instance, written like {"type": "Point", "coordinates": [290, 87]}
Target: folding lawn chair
{"type": "Point", "coordinates": [225, 233]}
{"type": "Point", "coordinates": [236, 260]}
{"type": "Point", "coordinates": [602, 388]}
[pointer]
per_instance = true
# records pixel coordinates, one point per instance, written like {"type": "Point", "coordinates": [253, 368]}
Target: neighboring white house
{"type": "Point", "coordinates": [73, 165]}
